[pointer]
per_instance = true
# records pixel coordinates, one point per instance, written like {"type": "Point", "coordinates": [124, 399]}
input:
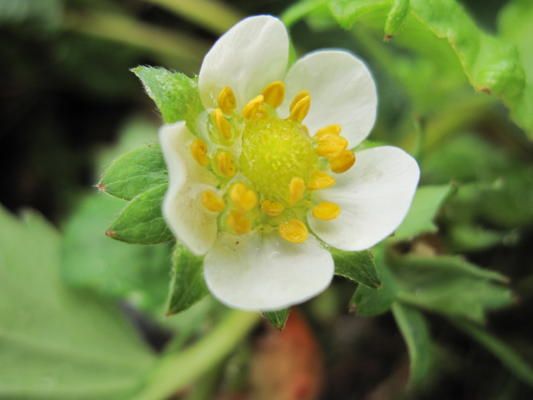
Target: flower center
{"type": "Point", "coordinates": [268, 167]}
{"type": "Point", "coordinates": [274, 151]}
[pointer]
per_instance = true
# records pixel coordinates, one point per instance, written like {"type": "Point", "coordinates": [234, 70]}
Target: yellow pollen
{"type": "Point", "coordinates": [334, 129]}
{"type": "Point", "coordinates": [342, 162]}
{"type": "Point", "coordinates": [222, 124]}
{"type": "Point", "coordinates": [296, 190]}
{"type": "Point", "coordinates": [274, 93]}
{"type": "Point", "coordinates": [320, 180]}
{"type": "Point", "coordinates": [299, 96]}
{"type": "Point", "coordinates": [300, 109]}
{"type": "Point", "coordinates": [239, 222]}
{"type": "Point", "coordinates": [199, 152]}
{"type": "Point", "coordinates": [326, 211]}
{"type": "Point", "coordinates": [253, 107]}
{"type": "Point", "coordinates": [244, 198]}
{"type": "Point", "coordinates": [226, 100]}
{"type": "Point", "coordinates": [225, 164]}
{"type": "Point", "coordinates": [331, 145]}
{"type": "Point", "coordinates": [272, 208]}
{"type": "Point", "coordinates": [212, 201]}
{"type": "Point", "coordinates": [294, 231]}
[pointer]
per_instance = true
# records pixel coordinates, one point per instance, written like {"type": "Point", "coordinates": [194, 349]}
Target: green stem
{"type": "Point", "coordinates": [186, 50]}
{"type": "Point", "coordinates": [211, 14]}
{"type": "Point", "coordinates": [175, 371]}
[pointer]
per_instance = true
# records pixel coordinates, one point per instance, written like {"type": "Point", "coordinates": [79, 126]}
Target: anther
{"type": "Point", "coordinates": [225, 164]}
{"type": "Point", "coordinates": [239, 222]}
{"type": "Point", "coordinates": [320, 180]}
{"type": "Point", "coordinates": [222, 124]}
{"type": "Point", "coordinates": [253, 107]}
{"type": "Point", "coordinates": [326, 211]}
{"type": "Point", "coordinates": [296, 190]}
{"type": "Point", "coordinates": [299, 96]}
{"type": "Point", "coordinates": [272, 208]}
{"type": "Point", "coordinates": [331, 145]}
{"type": "Point", "coordinates": [274, 93]}
{"type": "Point", "coordinates": [334, 129]}
{"type": "Point", "coordinates": [300, 109]}
{"type": "Point", "coordinates": [244, 198]}
{"type": "Point", "coordinates": [199, 152]}
{"type": "Point", "coordinates": [342, 162]}
{"type": "Point", "coordinates": [212, 201]}
{"type": "Point", "coordinates": [294, 231]}
{"type": "Point", "coordinates": [226, 100]}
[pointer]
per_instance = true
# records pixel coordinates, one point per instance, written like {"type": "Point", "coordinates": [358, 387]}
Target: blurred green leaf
{"type": "Point", "coordinates": [48, 12]}
{"type": "Point", "coordinates": [57, 343]}
{"type": "Point", "coordinates": [508, 357]}
{"type": "Point", "coordinates": [470, 238]}
{"type": "Point", "coordinates": [358, 266]}
{"type": "Point", "coordinates": [396, 17]}
{"type": "Point", "coordinates": [175, 94]}
{"type": "Point", "coordinates": [135, 172]}
{"type": "Point", "coordinates": [415, 332]}
{"type": "Point", "coordinates": [187, 285]}
{"type": "Point", "coordinates": [277, 319]}
{"type": "Point", "coordinates": [426, 204]}
{"type": "Point", "coordinates": [449, 285]}
{"type": "Point", "coordinates": [141, 221]}
{"type": "Point", "coordinates": [91, 261]}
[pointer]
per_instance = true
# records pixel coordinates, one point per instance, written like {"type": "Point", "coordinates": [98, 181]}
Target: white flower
{"type": "Point", "coordinates": [268, 163]}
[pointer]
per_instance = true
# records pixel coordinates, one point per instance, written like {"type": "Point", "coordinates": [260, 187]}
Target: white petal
{"type": "Point", "coordinates": [265, 273]}
{"type": "Point", "coordinates": [182, 208]}
{"type": "Point", "coordinates": [342, 92]}
{"type": "Point", "coordinates": [374, 196]}
{"type": "Point", "coordinates": [249, 56]}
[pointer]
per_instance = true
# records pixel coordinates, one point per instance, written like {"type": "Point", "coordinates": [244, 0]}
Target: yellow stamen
{"type": "Point", "coordinates": [272, 208]}
{"type": "Point", "coordinates": [251, 109]}
{"type": "Point", "coordinates": [225, 164]}
{"type": "Point", "coordinates": [326, 211]}
{"type": "Point", "coordinates": [299, 96]}
{"type": "Point", "coordinates": [212, 201]}
{"type": "Point", "coordinates": [342, 162]}
{"type": "Point", "coordinates": [331, 145]}
{"type": "Point", "coordinates": [199, 152]}
{"type": "Point", "coordinates": [294, 231]}
{"type": "Point", "coordinates": [244, 198]}
{"type": "Point", "coordinates": [296, 190]}
{"type": "Point", "coordinates": [300, 109]}
{"type": "Point", "coordinates": [226, 100]}
{"type": "Point", "coordinates": [222, 124]}
{"type": "Point", "coordinates": [274, 93]}
{"type": "Point", "coordinates": [320, 180]}
{"type": "Point", "coordinates": [334, 129]}
{"type": "Point", "coordinates": [239, 222]}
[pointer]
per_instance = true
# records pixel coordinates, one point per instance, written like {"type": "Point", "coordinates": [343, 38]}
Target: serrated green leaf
{"type": "Point", "coordinates": [135, 172]}
{"type": "Point", "coordinates": [449, 285]}
{"type": "Point", "coordinates": [57, 343]}
{"type": "Point", "coordinates": [426, 204]}
{"type": "Point", "coordinates": [277, 319]}
{"type": "Point", "coordinates": [396, 17]}
{"type": "Point", "coordinates": [358, 266]}
{"type": "Point", "coordinates": [141, 221]}
{"type": "Point", "coordinates": [175, 94]}
{"type": "Point", "coordinates": [187, 285]}
{"type": "Point", "coordinates": [508, 357]}
{"type": "Point", "coordinates": [415, 332]}
{"type": "Point", "coordinates": [90, 260]}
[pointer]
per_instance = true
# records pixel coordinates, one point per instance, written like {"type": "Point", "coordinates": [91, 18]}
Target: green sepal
{"type": "Point", "coordinates": [277, 319]}
{"type": "Point", "coordinates": [358, 266]}
{"type": "Point", "coordinates": [175, 94]}
{"type": "Point", "coordinates": [135, 172]}
{"type": "Point", "coordinates": [415, 331]}
{"type": "Point", "coordinates": [187, 285]}
{"type": "Point", "coordinates": [141, 221]}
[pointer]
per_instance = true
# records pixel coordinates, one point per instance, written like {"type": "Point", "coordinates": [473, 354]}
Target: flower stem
{"type": "Point", "coordinates": [175, 371]}
{"type": "Point", "coordinates": [210, 14]}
